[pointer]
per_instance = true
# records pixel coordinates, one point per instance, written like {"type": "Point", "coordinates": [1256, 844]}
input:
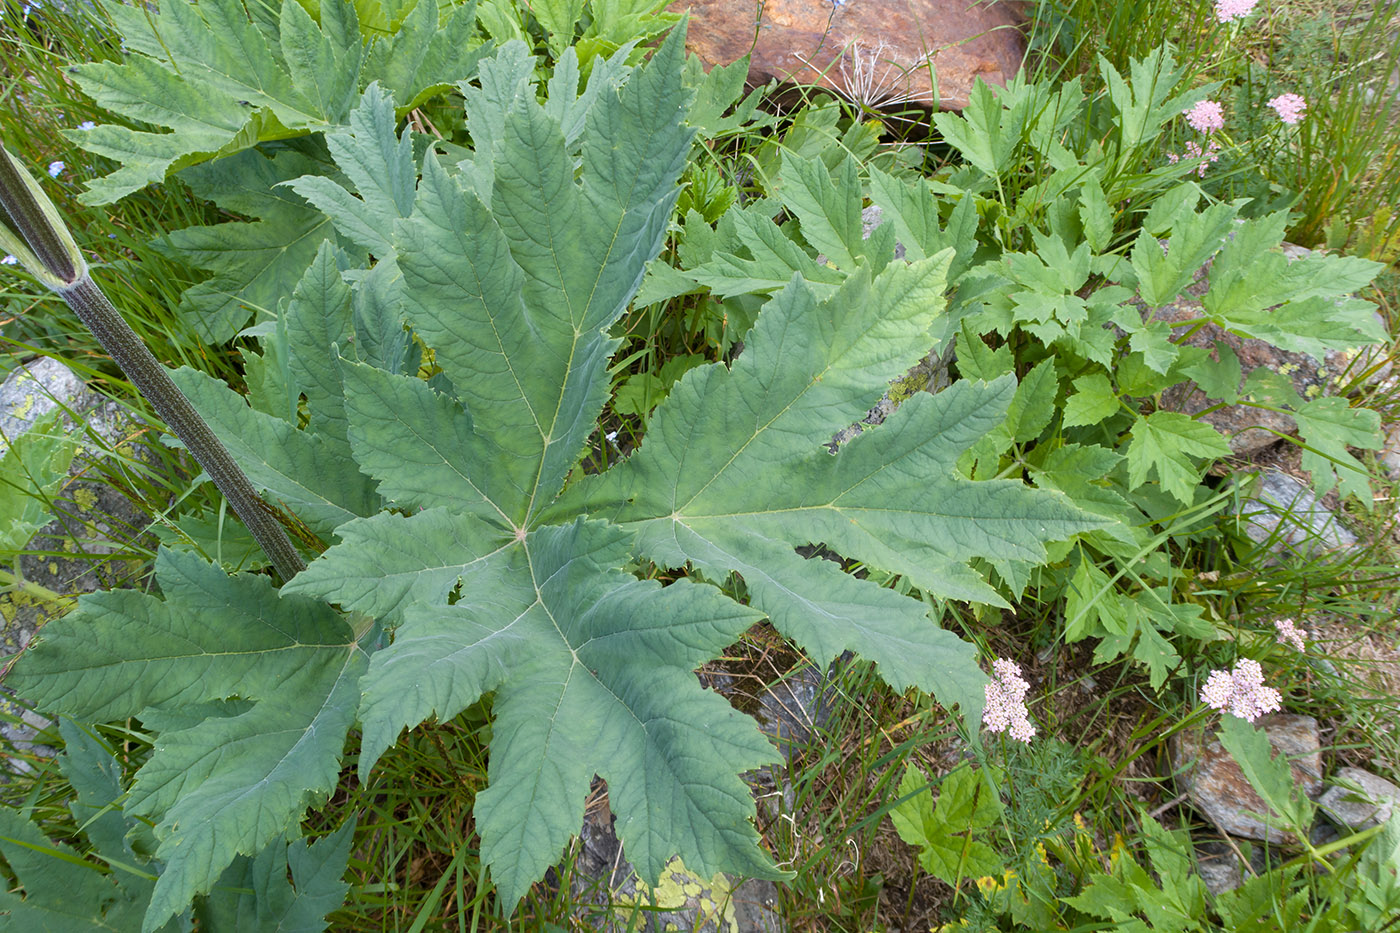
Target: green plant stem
{"type": "Point", "coordinates": [150, 378]}
{"type": "Point", "coordinates": [13, 581]}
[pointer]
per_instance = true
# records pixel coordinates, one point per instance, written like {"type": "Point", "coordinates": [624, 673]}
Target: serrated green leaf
{"type": "Point", "coordinates": [302, 470]}
{"type": "Point", "coordinates": [387, 562]}
{"type": "Point", "coordinates": [558, 18]}
{"type": "Point", "coordinates": [62, 891]}
{"type": "Point", "coordinates": [209, 75]}
{"type": "Point", "coordinates": [33, 470]}
{"type": "Point", "coordinates": [828, 211]}
{"type": "Point", "coordinates": [317, 319]}
{"type": "Point", "coordinates": [1095, 214]}
{"type": "Point", "coordinates": [379, 165]}
{"type": "Point", "coordinates": [1270, 775]}
{"type": "Point", "coordinates": [773, 258]}
{"type": "Point", "coordinates": [1328, 427]}
{"type": "Point", "coordinates": [1093, 401]}
{"type": "Point", "coordinates": [944, 832]}
{"type": "Point", "coordinates": [95, 777]}
{"type": "Point", "coordinates": [254, 893]}
{"type": "Point", "coordinates": [1164, 444]}
{"type": "Point", "coordinates": [985, 133]}
{"type": "Point", "coordinates": [913, 208]}
{"type": "Point", "coordinates": [1164, 272]}
{"type": "Point", "coordinates": [230, 784]}
{"type": "Point", "coordinates": [723, 481]}
{"type": "Point", "coordinates": [255, 264]}
{"type": "Point", "coordinates": [547, 245]}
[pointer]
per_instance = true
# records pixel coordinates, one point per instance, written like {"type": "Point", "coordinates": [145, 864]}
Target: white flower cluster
{"type": "Point", "coordinates": [1241, 692]}
{"type": "Point", "coordinates": [1006, 702]}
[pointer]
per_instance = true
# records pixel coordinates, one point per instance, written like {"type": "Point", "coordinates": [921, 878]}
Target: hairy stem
{"type": "Point", "coordinates": [151, 379]}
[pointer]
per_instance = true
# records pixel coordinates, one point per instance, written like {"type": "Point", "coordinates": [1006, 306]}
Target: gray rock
{"type": "Point", "coordinates": [1283, 511]}
{"type": "Point", "coordinates": [1216, 786]}
{"type": "Point", "coordinates": [1389, 454]}
{"type": "Point", "coordinates": [1372, 806]}
{"type": "Point", "coordinates": [36, 389]}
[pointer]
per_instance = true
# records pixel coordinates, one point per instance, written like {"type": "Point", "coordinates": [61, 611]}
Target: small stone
{"type": "Point", "coordinates": [1371, 807]}
{"type": "Point", "coordinates": [1220, 867]}
{"type": "Point", "coordinates": [1284, 511]}
{"type": "Point", "coordinates": [1214, 783]}
{"type": "Point", "coordinates": [1389, 455]}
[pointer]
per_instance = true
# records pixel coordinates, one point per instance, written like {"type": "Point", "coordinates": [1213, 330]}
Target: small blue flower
{"type": "Point", "coordinates": [8, 261]}
{"type": "Point", "coordinates": [55, 168]}
{"type": "Point", "coordinates": [86, 125]}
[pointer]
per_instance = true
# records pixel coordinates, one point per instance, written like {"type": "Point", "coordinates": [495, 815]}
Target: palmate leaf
{"type": "Point", "coordinates": [493, 582]}
{"type": "Point", "coordinates": [221, 83]}
{"type": "Point", "coordinates": [233, 782]}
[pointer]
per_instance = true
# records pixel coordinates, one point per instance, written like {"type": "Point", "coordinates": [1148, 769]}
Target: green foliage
{"type": "Point", "coordinates": [1171, 898]}
{"type": "Point", "coordinates": [216, 664]}
{"type": "Point", "coordinates": [511, 265]}
{"type": "Point", "coordinates": [33, 469]}
{"type": "Point", "coordinates": [944, 832]}
{"type": "Point", "coordinates": [221, 82]}
{"type": "Point", "coordinates": [1269, 775]}
{"type": "Point", "coordinates": [111, 888]}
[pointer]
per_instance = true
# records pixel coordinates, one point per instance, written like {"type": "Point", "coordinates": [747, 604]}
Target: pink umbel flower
{"type": "Point", "coordinates": [1241, 692]}
{"type": "Point", "coordinates": [1227, 11]}
{"type": "Point", "coordinates": [1206, 117]}
{"type": "Point", "coordinates": [1291, 634]}
{"type": "Point", "coordinates": [1211, 153]}
{"type": "Point", "coordinates": [1006, 702]}
{"type": "Point", "coordinates": [1289, 107]}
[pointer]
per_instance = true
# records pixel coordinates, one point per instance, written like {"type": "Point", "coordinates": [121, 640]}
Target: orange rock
{"type": "Point", "coordinates": [872, 51]}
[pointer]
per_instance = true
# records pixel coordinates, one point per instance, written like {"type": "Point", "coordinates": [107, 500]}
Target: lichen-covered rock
{"type": "Point", "coordinates": [612, 899]}
{"type": "Point", "coordinates": [872, 51]}
{"type": "Point", "coordinates": [73, 553]}
{"type": "Point", "coordinates": [1216, 786]}
{"type": "Point", "coordinates": [1371, 807]}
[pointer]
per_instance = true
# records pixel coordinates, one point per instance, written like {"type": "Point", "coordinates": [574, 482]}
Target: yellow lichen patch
{"type": "Point", "coordinates": [85, 499]}
{"type": "Point", "coordinates": [53, 568]}
{"type": "Point", "coordinates": [902, 389]}
{"type": "Point", "coordinates": [679, 889]}
{"type": "Point", "coordinates": [24, 407]}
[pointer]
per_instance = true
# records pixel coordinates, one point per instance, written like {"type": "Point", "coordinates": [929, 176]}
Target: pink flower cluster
{"type": "Point", "coordinates": [1227, 11]}
{"type": "Point", "coordinates": [1211, 153]}
{"type": "Point", "coordinates": [1006, 702]}
{"type": "Point", "coordinates": [1289, 107]}
{"type": "Point", "coordinates": [1241, 692]}
{"type": "Point", "coordinates": [1206, 117]}
{"type": "Point", "coordinates": [1290, 634]}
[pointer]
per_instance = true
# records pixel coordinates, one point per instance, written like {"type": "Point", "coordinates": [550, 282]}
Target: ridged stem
{"type": "Point", "coordinates": [152, 381]}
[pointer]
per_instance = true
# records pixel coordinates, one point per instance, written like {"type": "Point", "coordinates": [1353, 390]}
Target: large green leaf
{"type": "Point", "coordinates": [255, 264]}
{"type": "Point", "coordinates": [221, 82]}
{"type": "Point", "coordinates": [561, 258]}
{"type": "Point", "coordinates": [233, 782]}
{"type": "Point", "coordinates": [734, 474]}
